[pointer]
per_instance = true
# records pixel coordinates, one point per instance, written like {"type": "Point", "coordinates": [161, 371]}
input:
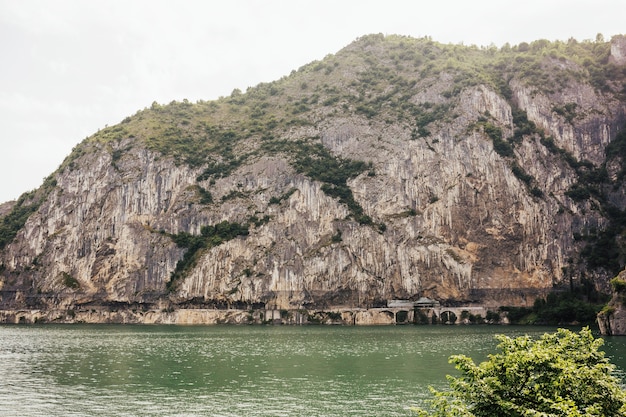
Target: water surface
{"type": "Point", "coordinates": [117, 370]}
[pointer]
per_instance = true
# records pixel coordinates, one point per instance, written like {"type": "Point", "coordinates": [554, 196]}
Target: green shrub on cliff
{"type": "Point", "coordinates": [27, 204]}
{"type": "Point", "coordinates": [580, 304]}
{"type": "Point", "coordinates": [618, 284]}
{"type": "Point", "coordinates": [210, 236]}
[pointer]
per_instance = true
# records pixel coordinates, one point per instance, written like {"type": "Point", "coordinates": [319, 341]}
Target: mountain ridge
{"type": "Point", "coordinates": [396, 168]}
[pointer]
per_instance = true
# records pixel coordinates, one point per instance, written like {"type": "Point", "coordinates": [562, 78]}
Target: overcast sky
{"type": "Point", "coordinates": [70, 67]}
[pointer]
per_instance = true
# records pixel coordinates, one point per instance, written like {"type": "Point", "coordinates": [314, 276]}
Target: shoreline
{"type": "Point", "coordinates": [337, 316]}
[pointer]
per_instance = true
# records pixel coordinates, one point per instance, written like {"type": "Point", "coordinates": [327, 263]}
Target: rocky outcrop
{"type": "Point", "coordinates": [612, 322]}
{"type": "Point", "coordinates": [618, 50]}
{"type": "Point", "coordinates": [436, 209]}
{"type": "Point", "coordinates": [612, 319]}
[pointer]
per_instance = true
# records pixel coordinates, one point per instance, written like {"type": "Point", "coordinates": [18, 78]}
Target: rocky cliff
{"type": "Point", "coordinates": [612, 318]}
{"type": "Point", "coordinates": [394, 169]}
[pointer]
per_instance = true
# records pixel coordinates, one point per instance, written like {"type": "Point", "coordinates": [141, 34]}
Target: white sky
{"type": "Point", "coordinates": [70, 67]}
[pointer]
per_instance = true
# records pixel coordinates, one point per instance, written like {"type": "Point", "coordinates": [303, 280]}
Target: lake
{"type": "Point", "coordinates": [118, 370]}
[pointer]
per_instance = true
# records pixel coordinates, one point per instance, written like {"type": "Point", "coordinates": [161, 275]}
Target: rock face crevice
{"type": "Point", "coordinates": [444, 212]}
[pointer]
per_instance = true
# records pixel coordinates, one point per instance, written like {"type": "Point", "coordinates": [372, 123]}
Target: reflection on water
{"type": "Point", "coordinates": [234, 371]}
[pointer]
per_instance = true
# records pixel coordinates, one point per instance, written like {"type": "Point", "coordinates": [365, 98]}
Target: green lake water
{"type": "Point", "coordinates": [117, 370]}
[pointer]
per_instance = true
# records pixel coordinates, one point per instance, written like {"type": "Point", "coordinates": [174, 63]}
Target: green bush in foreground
{"type": "Point", "coordinates": [560, 374]}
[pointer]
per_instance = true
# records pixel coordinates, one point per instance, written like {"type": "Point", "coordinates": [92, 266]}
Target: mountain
{"type": "Point", "coordinates": [397, 168]}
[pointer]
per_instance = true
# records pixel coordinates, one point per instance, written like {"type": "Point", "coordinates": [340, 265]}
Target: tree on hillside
{"type": "Point", "coordinates": [560, 374]}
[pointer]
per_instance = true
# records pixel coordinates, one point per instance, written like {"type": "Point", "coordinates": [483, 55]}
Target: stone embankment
{"type": "Point", "coordinates": [372, 316]}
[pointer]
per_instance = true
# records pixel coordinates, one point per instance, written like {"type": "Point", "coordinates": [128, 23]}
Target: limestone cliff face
{"type": "Point", "coordinates": [445, 213]}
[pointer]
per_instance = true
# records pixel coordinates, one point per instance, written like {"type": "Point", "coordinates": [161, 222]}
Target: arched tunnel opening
{"type": "Point", "coordinates": [402, 316]}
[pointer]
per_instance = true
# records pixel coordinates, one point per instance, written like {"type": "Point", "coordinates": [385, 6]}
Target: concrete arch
{"type": "Point", "coordinates": [403, 316]}
{"type": "Point", "coordinates": [448, 317]}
